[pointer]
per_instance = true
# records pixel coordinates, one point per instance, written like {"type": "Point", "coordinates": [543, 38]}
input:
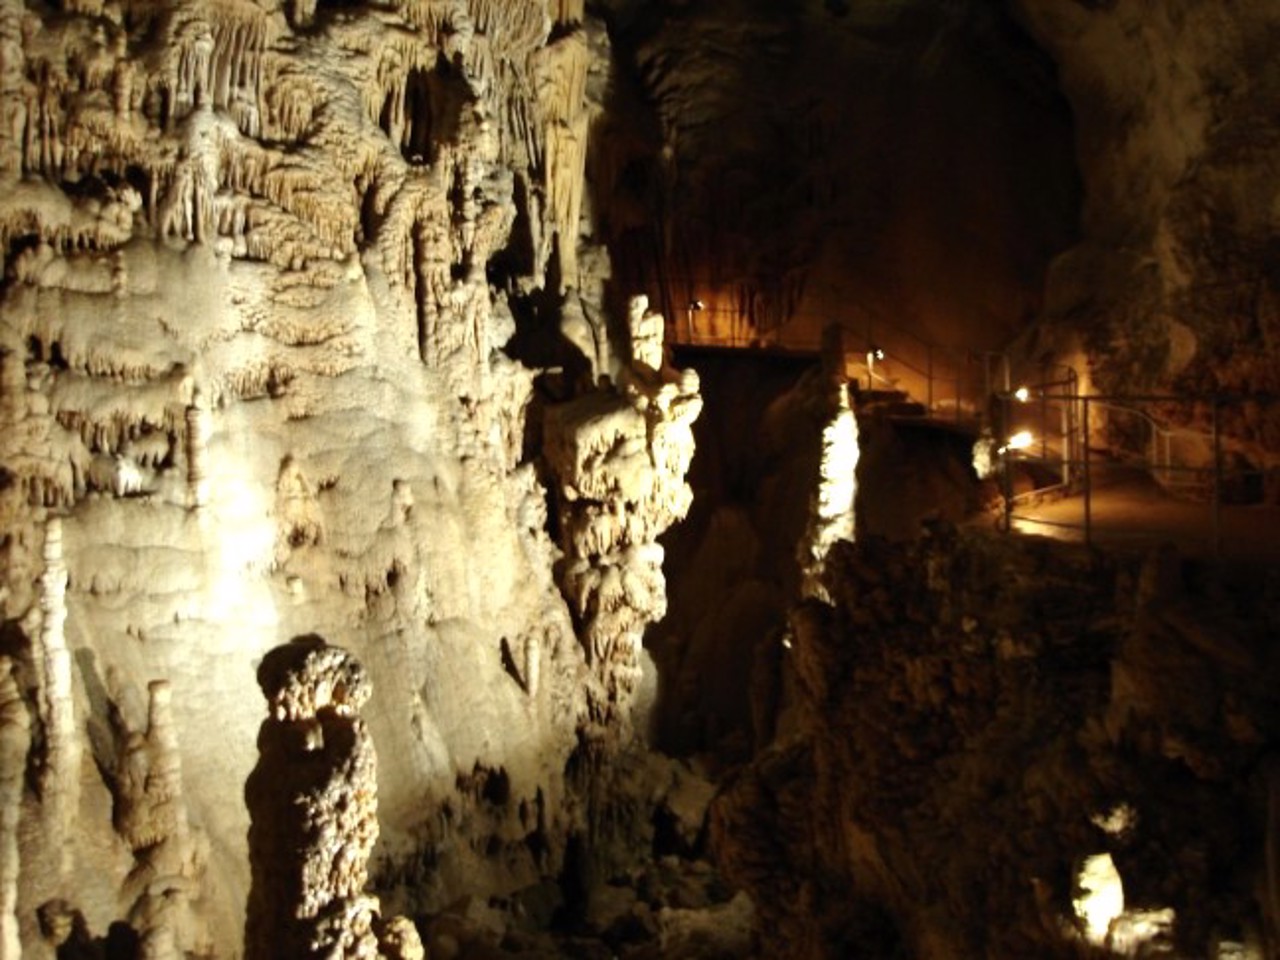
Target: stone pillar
{"type": "Point", "coordinates": [59, 775]}
{"type": "Point", "coordinates": [312, 802]}
{"type": "Point", "coordinates": [15, 740]}
{"type": "Point", "coordinates": [198, 429]}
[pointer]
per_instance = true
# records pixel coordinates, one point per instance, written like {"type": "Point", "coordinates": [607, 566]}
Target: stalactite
{"type": "Point", "coordinates": [565, 116]}
{"type": "Point", "coordinates": [568, 11]}
{"type": "Point", "coordinates": [13, 106]}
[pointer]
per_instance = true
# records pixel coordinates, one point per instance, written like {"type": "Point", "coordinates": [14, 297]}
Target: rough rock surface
{"type": "Point", "coordinates": [261, 261]}
{"type": "Point", "coordinates": [1173, 285]}
{"type": "Point", "coordinates": [313, 806]}
{"type": "Point", "coordinates": [979, 716]}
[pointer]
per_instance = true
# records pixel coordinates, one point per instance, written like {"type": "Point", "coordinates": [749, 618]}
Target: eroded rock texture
{"type": "Point", "coordinates": [976, 718]}
{"type": "Point", "coordinates": [1173, 285]}
{"type": "Point", "coordinates": [261, 261]}
{"type": "Point", "coordinates": [313, 805]}
{"type": "Point", "coordinates": [620, 459]}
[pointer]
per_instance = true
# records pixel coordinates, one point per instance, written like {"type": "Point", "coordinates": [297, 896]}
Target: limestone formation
{"type": "Point", "coordinates": [925, 682]}
{"type": "Point", "coordinates": [59, 772]}
{"type": "Point", "coordinates": [15, 740]}
{"type": "Point", "coordinates": [197, 449]}
{"type": "Point", "coordinates": [313, 801]}
{"type": "Point", "coordinates": [315, 316]}
{"type": "Point", "coordinates": [264, 264]}
{"type": "Point", "coordinates": [620, 456]}
{"type": "Point", "coordinates": [831, 510]}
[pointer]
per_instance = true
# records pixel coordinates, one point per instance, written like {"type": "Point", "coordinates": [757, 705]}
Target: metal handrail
{"type": "Point", "coordinates": [1153, 460]}
{"type": "Point", "coordinates": [945, 375]}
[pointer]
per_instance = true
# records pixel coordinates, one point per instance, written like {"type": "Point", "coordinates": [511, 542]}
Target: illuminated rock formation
{"type": "Point", "coordinates": [150, 815]}
{"type": "Point", "coordinates": [831, 513]}
{"type": "Point", "coordinates": [620, 455]}
{"type": "Point", "coordinates": [15, 740]}
{"type": "Point", "coordinates": [262, 260]}
{"type": "Point", "coordinates": [60, 770]}
{"type": "Point", "coordinates": [923, 751]}
{"type": "Point", "coordinates": [313, 801]}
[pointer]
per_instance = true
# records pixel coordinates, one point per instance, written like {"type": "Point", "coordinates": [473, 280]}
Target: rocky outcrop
{"type": "Point", "coordinates": [263, 264]}
{"type": "Point", "coordinates": [313, 805]}
{"type": "Point", "coordinates": [15, 740]}
{"type": "Point", "coordinates": [977, 718]}
{"type": "Point", "coordinates": [619, 456]}
{"type": "Point", "coordinates": [1172, 288]}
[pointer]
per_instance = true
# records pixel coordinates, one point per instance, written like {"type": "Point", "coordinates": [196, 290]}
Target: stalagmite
{"type": "Point", "coordinates": [151, 816]}
{"type": "Point", "coordinates": [620, 458]}
{"type": "Point", "coordinates": [59, 776]}
{"type": "Point", "coordinates": [831, 509]}
{"type": "Point", "coordinates": [313, 804]}
{"type": "Point", "coordinates": [15, 740]}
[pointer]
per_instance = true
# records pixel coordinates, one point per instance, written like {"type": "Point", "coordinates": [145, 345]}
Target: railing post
{"type": "Point", "coordinates": [1044, 419]}
{"type": "Point", "coordinates": [929, 374]}
{"type": "Point", "coordinates": [1068, 441]}
{"type": "Point", "coordinates": [1217, 478]}
{"type": "Point", "coordinates": [1088, 506]}
{"type": "Point", "coordinates": [1008, 491]}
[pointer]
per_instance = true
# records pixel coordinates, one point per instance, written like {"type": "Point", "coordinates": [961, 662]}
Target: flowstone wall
{"type": "Point", "coordinates": [260, 264]}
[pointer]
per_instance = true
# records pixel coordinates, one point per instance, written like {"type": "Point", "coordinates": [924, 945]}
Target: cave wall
{"type": "Point", "coordinates": [901, 166]}
{"type": "Point", "coordinates": [975, 717]}
{"type": "Point", "coordinates": [261, 262]}
{"type": "Point", "coordinates": [1172, 287]}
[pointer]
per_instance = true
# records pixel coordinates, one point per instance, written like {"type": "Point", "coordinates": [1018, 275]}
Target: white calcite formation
{"type": "Point", "coordinates": [313, 801]}
{"type": "Point", "coordinates": [620, 457]}
{"type": "Point", "coordinates": [15, 741]}
{"type": "Point", "coordinates": [831, 509]}
{"type": "Point", "coordinates": [261, 262]}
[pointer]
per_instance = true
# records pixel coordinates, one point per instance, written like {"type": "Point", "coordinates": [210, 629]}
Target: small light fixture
{"type": "Point", "coordinates": [1022, 394]}
{"type": "Point", "coordinates": [875, 353]}
{"type": "Point", "coordinates": [694, 306]}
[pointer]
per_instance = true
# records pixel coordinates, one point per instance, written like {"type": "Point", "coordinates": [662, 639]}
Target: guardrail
{"type": "Point", "coordinates": [950, 384]}
{"type": "Point", "coordinates": [1182, 460]}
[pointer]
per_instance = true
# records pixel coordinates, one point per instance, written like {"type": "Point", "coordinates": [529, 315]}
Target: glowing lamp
{"type": "Point", "coordinates": [1020, 440]}
{"type": "Point", "coordinates": [1022, 394]}
{"type": "Point", "coordinates": [1100, 898]}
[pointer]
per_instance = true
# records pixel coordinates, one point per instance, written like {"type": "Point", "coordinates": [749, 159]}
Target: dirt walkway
{"type": "Point", "coordinates": [1128, 508]}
